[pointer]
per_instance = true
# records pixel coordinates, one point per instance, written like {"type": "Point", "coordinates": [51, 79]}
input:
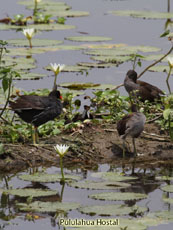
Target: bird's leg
{"type": "Point", "coordinates": [134, 150]}
{"type": "Point", "coordinates": [36, 134]}
{"type": "Point", "coordinates": [135, 154]}
{"type": "Point", "coordinates": [124, 148]}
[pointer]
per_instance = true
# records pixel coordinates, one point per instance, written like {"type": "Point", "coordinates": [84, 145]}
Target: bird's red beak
{"type": "Point", "coordinates": [60, 97]}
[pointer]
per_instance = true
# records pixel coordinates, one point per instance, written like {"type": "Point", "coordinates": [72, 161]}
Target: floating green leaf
{"type": "Point", "coordinates": [42, 27]}
{"type": "Point", "coordinates": [30, 76]}
{"type": "Point", "coordinates": [88, 39]}
{"type": "Point", "coordinates": [160, 68]}
{"type": "Point", "coordinates": [163, 215]}
{"type": "Point", "coordinates": [168, 200]}
{"type": "Point", "coordinates": [167, 188]}
{"type": "Point", "coordinates": [118, 196]}
{"type": "Point", "coordinates": [68, 13]}
{"type": "Point", "coordinates": [79, 86]}
{"type": "Point", "coordinates": [155, 57]}
{"type": "Point", "coordinates": [39, 206]}
{"type": "Point", "coordinates": [96, 65]}
{"type": "Point", "coordinates": [114, 209]}
{"type": "Point", "coordinates": [111, 59]}
{"type": "Point", "coordinates": [25, 192]}
{"type": "Point", "coordinates": [46, 178]}
{"type": "Point", "coordinates": [108, 52]}
{"type": "Point", "coordinates": [35, 42]}
{"type": "Point", "coordinates": [143, 14]}
{"type": "Point", "coordinates": [72, 68]}
{"type": "Point", "coordinates": [99, 185]}
{"type": "Point", "coordinates": [29, 52]}
{"type": "Point", "coordinates": [113, 176]}
{"type": "Point", "coordinates": [150, 221]}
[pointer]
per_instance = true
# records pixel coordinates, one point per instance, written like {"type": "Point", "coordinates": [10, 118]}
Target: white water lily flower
{"type": "Point", "coordinates": [29, 33]}
{"type": "Point", "coordinates": [56, 68]}
{"type": "Point", "coordinates": [170, 61]}
{"type": "Point", "coordinates": [61, 149]}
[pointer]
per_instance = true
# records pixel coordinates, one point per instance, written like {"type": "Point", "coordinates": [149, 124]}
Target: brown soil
{"type": "Point", "coordinates": [89, 146]}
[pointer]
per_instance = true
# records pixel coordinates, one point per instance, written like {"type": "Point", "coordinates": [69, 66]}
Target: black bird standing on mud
{"type": "Point", "coordinates": [37, 110]}
{"type": "Point", "coordinates": [144, 90]}
{"type": "Point", "coordinates": [131, 125]}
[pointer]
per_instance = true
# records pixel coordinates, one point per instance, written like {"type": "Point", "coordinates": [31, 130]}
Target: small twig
{"type": "Point", "coordinates": [154, 119]}
{"type": "Point", "coordinates": [156, 137]}
{"type": "Point", "coordinates": [148, 67]}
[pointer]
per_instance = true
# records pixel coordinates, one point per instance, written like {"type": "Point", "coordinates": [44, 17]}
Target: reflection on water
{"type": "Point", "coordinates": [147, 181]}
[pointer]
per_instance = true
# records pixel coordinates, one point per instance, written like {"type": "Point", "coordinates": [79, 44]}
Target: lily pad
{"type": "Point", "coordinates": [160, 68]}
{"type": "Point", "coordinates": [111, 59]}
{"type": "Point", "coordinates": [167, 188]}
{"type": "Point", "coordinates": [35, 42]}
{"type": "Point", "coordinates": [96, 65]}
{"type": "Point", "coordinates": [163, 215]}
{"type": "Point", "coordinates": [88, 39]}
{"type": "Point", "coordinates": [68, 13]}
{"type": "Point", "coordinates": [42, 3]}
{"type": "Point", "coordinates": [30, 76]}
{"type": "Point", "coordinates": [47, 178]}
{"type": "Point", "coordinates": [42, 27]}
{"type": "Point", "coordinates": [99, 185]}
{"type": "Point", "coordinates": [113, 176]}
{"type": "Point", "coordinates": [118, 196]}
{"type": "Point", "coordinates": [108, 52]}
{"type": "Point", "coordinates": [29, 52]}
{"type": "Point", "coordinates": [143, 14]}
{"type": "Point", "coordinates": [168, 200]}
{"type": "Point", "coordinates": [150, 221]}
{"type": "Point", "coordinates": [155, 57]}
{"type": "Point", "coordinates": [114, 209]}
{"type": "Point", "coordinates": [79, 86]}
{"type": "Point", "coordinates": [39, 206]}
{"type": "Point", "coordinates": [72, 68]}
{"type": "Point", "coordinates": [29, 192]}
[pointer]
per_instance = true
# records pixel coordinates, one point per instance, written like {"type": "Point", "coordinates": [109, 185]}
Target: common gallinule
{"type": "Point", "coordinates": [131, 125]}
{"type": "Point", "coordinates": [141, 89]}
{"type": "Point", "coordinates": [37, 110]}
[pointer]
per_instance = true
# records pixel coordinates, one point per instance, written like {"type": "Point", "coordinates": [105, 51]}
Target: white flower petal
{"type": "Point", "coordinates": [170, 60]}
{"type": "Point", "coordinates": [61, 149]}
{"type": "Point", "coordinates": [29, 33]}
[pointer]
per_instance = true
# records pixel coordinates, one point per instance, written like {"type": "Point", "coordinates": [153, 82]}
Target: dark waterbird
{"type": "Point", "coordinates": [143, 90]}
{"type": "Point", "coordinates": [37, 110]}
{"type": "Point", "coordinates": [131, 125]}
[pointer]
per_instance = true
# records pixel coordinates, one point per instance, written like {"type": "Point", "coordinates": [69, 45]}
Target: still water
{"type": "Point", "coordinates": [100, 22]}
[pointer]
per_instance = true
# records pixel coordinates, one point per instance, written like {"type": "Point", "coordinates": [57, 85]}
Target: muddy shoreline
{"type": "Point", "coordinates": [90, 146]}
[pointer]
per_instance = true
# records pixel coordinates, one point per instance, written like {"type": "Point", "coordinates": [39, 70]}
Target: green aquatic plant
{"type": "Point", "coordinates": [41, 18]}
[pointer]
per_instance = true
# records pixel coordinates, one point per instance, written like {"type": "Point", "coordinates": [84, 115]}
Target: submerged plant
{"type": "Point", "coordinates": [29, 33]}
{"type": "Point", "coordinates": [56, 68]}
{"type": "Point", "coordinates": [61, 150]}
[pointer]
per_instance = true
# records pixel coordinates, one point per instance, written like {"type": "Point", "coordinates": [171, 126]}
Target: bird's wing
{"type": "Point", "coordinates": [47, 114]}
{"type": "Point", "coordinates": [150, 88]}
